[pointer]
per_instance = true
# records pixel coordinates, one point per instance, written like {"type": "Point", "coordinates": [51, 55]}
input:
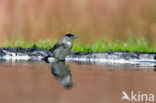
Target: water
{"type": "Point", "coordinates": [34, 83]}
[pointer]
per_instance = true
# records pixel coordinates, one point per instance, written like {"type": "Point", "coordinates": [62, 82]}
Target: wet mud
{"type": "Point", "coordinates": [106, 58]}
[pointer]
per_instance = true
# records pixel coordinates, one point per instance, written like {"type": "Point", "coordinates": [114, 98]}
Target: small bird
{"type": "Point", "coordinates": [63, 48]}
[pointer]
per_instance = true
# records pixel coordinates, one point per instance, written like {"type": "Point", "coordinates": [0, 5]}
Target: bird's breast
{"type": "Point", "coordinates": [61, 52]}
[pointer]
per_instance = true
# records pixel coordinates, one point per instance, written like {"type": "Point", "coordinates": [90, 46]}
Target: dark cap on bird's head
{"type": "Point", "coordinates": [70, 36]}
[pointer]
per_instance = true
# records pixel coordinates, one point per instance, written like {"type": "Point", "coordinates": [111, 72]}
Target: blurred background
{"type": "Point", "coordinates": [90, 19]}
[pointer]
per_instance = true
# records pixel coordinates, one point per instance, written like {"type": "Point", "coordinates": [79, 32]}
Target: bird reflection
{"type": "Point", "coordinates": [62, 72]}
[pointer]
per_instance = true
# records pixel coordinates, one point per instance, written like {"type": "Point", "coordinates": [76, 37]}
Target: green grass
{"type": "Point", "coordinates": [99, 46]}
{"type": "Point", "coordinates": [44, 44]}
{"type": "Point", "coordinates": [103, 45]}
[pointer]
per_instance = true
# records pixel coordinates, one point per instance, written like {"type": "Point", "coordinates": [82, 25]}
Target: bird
{"type": "Point", "coordinates": [61, 49]}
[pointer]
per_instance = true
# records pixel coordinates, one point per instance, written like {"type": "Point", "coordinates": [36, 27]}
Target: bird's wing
{"type": "Point", "coordinates": [56, 46]}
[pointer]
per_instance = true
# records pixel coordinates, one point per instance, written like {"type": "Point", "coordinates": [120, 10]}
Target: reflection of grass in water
{"type": "Point", "coordinates": [132, 44]}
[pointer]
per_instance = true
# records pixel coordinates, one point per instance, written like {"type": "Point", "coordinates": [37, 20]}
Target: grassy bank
{"type": "Point", "coordinates": [99, 46]}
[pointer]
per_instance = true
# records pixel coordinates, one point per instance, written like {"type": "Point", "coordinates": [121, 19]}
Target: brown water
{"type": "Point", "coordinates": [34, 83]}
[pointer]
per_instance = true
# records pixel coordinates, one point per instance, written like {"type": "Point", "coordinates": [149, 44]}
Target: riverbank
{"type": "Point", "coordinates": [108, 57]}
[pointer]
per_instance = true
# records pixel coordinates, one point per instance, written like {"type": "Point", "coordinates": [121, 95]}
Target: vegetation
{"type": "Point", "coordinates": [35, 19]}
{"type": "Point", "coordinates": [102, 45]}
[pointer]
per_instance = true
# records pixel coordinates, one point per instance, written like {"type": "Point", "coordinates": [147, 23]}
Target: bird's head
{"type": "Point", "coordinates": [68, 38]}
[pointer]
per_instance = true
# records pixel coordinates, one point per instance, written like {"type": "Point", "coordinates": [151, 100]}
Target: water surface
{"type": "Point", "coordinates": [34, 83]}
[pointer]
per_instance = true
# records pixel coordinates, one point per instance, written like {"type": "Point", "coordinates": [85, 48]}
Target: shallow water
{"type": "Point", "coordinates": [34, 83]}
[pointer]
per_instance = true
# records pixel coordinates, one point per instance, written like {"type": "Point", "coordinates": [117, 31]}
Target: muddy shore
{"type": "Point", "coordinates": [37, 54]}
